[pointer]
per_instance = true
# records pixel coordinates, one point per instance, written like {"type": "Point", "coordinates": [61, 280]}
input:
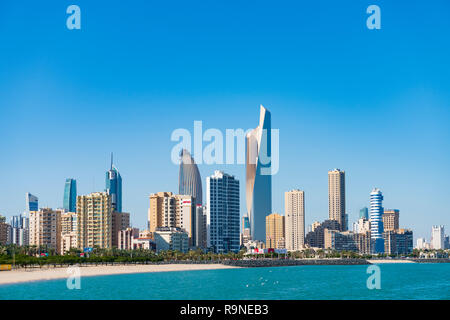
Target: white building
{"type": "Point", "coordinates": [437, 237]}
{"type": "Point", "coordinates": [376, 220]}
{"type": "Point", "coordinates": [169, 238]}
{"type": "Point", "coordinates": [294, 206]}
{"type": "Point", "coordinates": [421, 243]}
{"type": "Point", "coordinates": [223, 212]}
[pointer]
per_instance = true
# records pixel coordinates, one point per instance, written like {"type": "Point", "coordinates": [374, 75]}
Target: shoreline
{"type": "Point", "coordinates": [21, 275]}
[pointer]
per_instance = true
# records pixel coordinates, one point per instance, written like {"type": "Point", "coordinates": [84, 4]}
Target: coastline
{"type": "Point", "coordinates": [30, 275]}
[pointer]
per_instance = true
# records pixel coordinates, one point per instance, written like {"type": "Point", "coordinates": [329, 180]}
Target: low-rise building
{"type": "Point", "coordinates": [171, 238]}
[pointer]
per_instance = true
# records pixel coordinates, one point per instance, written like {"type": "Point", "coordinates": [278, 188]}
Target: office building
{"type": "Point", "coordinates": [94, 218]}
{"type": "Point", "coordinates": [275, 227]}
{"type": "Point", "coordinates": [259, 175]}
{"type": "Point", "coordinates": [190, 182]}
{"type": "Point", "coordinates": [294, 206]}
{"type": "Point", "coordinates": [45, 228]}
{"type": "Point", "coordinates": [246, 232]}
{"type": "Point", "coordinates": [376, 220]}
{"type": "Point", "coordinates": [32, 203]}
{"type": "Point", "coordinates": [19, 230]}
{"type": "Point", "coordinates": [336, 197]}
{"type": "Point", "coordinates": [437, 237]}
{"type": "Point", "coordinates": [222, 196]}
{"type": "Point", "coordinates": [114, 187]}
{"type": "Point", "coordinates": [399, 241]}
{"type": "Point", "coordinates": [125, 238]}
{"type": "Point", "coordinates": [170, 238]}
{"type": "Point", "coordinates": [201, 230]}
{"type": "Point", "coordinates": [70, 195]}
{"type": "Point", "coordinates": [364, 213]}
{"type": "Point", "coordinates": [315, 238]}
{"type": "Point", "coordinates": [391, 219]}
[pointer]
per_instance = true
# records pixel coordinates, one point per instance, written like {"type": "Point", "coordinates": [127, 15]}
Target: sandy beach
{"type": "Point", "coordinates": [17, 276]}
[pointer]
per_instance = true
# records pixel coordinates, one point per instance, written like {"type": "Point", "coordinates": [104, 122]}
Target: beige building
{"type": "Point", "coordinates": [172, 211]}
{"type": "Point", "coordinates": [68, 231]}
{"type": "Point", "coordinates": [336, 197]}
{"type": "Point", "coordinates": [120, 221]}
{"type": "Point", "coordinates": [125, 238]}
{"type": "Point", "coordinates": [94, 217]}
{"type": "Point", "coordinates": [45, 228]}
{"type": "Point", "coordinates": [294, 206]}
{"type": "Point", "coordinates": [391, 219]}
{"type": "Point", "coordinates": [167, 238]}
{"type": "Point", "coordinates": [275, 231]}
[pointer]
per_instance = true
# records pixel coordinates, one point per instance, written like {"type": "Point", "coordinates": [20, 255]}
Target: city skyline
{"type": "Point", "coordinates": [330, 99]}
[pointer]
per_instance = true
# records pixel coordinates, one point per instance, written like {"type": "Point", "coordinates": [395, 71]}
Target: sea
{"type": "Point", "coordinates": [396, 281]}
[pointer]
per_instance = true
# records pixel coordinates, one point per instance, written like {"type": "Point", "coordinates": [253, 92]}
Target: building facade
{"type": "Point", "coordinates": [94, 218]}
{"type": "Point", "coordinates": [69, 228]}
{"type": "Point", "coordinates": [120, 221]}
{"type": "Point", "coordinates": [275, 228]}
{"type": "Point", "coordinates": [391, 219]}
{"type": "Point", "coordinates": [437, 237]}
{"type": "Point", "coordinates": [70, 195]}
{"type": "Point", "coordinates": [113, 183]}
{"type": "Point", "coordinates": [294, 206]}
{"type": "Point", "coordinates": [32, 202]}
{"type": "Point", "coordinates": [19, 230]}
{"type": "Point", "coordinates": [259, 175]}
{"type": "Point", "coordinates": [45, 228]}
{"type": "Point", "coordinates": [376, 220]}
{"type": "Point", "coordinates": [170, 238]}
{"type": "Point", "coordinates": [222, 196]}
{"type": "Point", "coordinates": [189, 181]}
{"type": "Point", "coordinates": [336, 197]}
{"type": "Point", "coordinates": [399, 241]}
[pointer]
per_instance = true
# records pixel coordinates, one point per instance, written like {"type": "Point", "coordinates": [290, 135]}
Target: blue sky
{"type": "Point", "coordinates": [375, 103]}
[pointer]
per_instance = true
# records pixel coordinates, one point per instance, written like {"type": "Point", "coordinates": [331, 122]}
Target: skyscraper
{"type": "Point", "coordinates": [275, 231]}
{"type": "Point", "coordinates": [294, 206]}
{"type": "Point", "coordinates": [32, 203]}
{"type": "Point", "coordinates": [222, 196]}
{"type": "Point", "coordinates": [376, 220]}
{"type": "Point", "coordinates": [70, 195]}
{"type": "Point", "coordinates": [114, 187]}
{"type": "Point", "coordinates": [19, 230]}
{"type": "Point", "coordinates": [364, 213]}
{"type": "Point", "coordinates": [391, 221]}
{"type": "Point", "coordinates": [190, 182]}
{"type": "Point", "coordinates": [336, 197]}
{"type": "Point", "coordinates": [94, 218]}
{"type": "Point", "coordinates": [259, 175]}
{"type": "Point", "coordinates": [437, 237]}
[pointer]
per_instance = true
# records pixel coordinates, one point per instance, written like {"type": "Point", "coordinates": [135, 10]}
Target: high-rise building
{"type": "Point", "coordinates": [391, 219]}
{"type": "Point", "coordinates": [259, 175]}
{"type": "Point", "coordinates": [190, 182]}
{"type": "Point", "coordinates": [376, 220]}
{"type": "Point", "coordinates": [201, 231]}
{"type": "Point", "coordinates": [421, 243]}
{"type": "Point", "coordinates": [437, 237]}
{"type": "Point", "coordinates": [32, 203]}
{"type": "Point", "coordinates": [94, 218]}
{"type": "Point", "coordinates": [170, 210]}
{"type": "Point", "coordinates": [336, 197]}
{"type": "Point", "coordinates": [398, 241]}
{"type": "Point", "coordinates": [246, 232]}
{"type": "Point", "coordinates": [364, 213]}
{"type": "Point", "coordinates": [294, 206]}
{"type": "Point", "coordinates": [315, 238]}
{"type": "Point", "coordinates": [19, 230]}
{"type": "Point", "coordinates": [222, 196]}
{"type": "Point", "coordinates": [45, 228]}
{"type": "Point", "coordinates": [70, 195]}
{"type": "Point", "coordinates": [275, 231]}
{"type": "Point", "coordinates": [120, 221]}
{"type": "Point", "coordinates": [114, 187]}
{"type": "Point", "coordinates": [4, 231]}
{"type": "Point", "coordinates": [69, 235]}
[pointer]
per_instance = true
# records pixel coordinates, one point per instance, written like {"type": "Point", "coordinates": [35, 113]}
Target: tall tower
{"type": "Point", "coordinates": [275, 233]}
{"type": "Point", "coordinates": [336, 198]}
{"type": "Point", "coordinates": [114, 187]}
{"type": "Point", "coordinates": [259, 175]}
{"type": "Point", "coordinates": [376, 220]}
{"type": "Point", "coordinates": [32, 203]}
{"type": "Point", "coordinates": [294, 206]}
{"type": "Point", "coordinates": [70, 195]}
{"type": "Point", "coordinates": [222, 217]}
{"type": "Point", "coordinates": [190, 182]}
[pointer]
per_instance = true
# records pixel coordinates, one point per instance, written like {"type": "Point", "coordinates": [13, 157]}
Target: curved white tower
{"type": "Point", "coordinates": [190, 182]}
{"type": "Point", "coordinates": [376, 220]}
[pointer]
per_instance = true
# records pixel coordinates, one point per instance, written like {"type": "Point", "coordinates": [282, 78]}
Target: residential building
{"type": "Point", "coordinates": [190, 182]}
{"type": "Point", "coordinates": [69, 234]}
{"type": "Point", "coordinates": [19, 230]}
{"type": "Point", "coordinates": [336, 197]}
{"type": "Point", "coordinates": [315, 238]}
{"type": "Point", "coordinates": [125, 238]}
{"type": "Point", "coordinates": [376, 221]}
{"type": "Point", "coordinates": [275, 237]}
{"type": "Point", "coordinates": [259, 175]}
{"type": "Point", "coordinates": [222, 196]}
{"type": "Point", "coordinates": [294, 206]}
{"type": "Point", "coordinates": [437, 237]}
{"type": "Point", "coordinates": [201, 230]}
{"type": "Point", "coordinates": [70, 195]}
{"type": "Point", "coordinates": [391, 219]}
{"type": "Point", "coordinates": [4, 231]}
{"type": "Point", "coordinates": [421, 243]}
{"type": "Point", "coordinates": [94, 218]}
{"type": "Point", "coordinates": [170, 238]}
{"type": "Point", "coordinates": [399, 241]}
{"type": "Point", "coordinates": [45, 228]}
{"type": "Point", "coordinates": [120, 221]}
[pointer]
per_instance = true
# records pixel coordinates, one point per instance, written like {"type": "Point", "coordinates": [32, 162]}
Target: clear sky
{"type": "Point", "coordinates": [375, 103]}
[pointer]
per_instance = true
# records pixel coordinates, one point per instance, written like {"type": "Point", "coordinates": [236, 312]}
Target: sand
{"type": "Point", "coordinates": [17, 276]}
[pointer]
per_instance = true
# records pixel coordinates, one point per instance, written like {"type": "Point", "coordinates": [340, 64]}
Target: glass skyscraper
{"type": "Point", "coordinates": [190, 182]}
{"type": "Point", "coordinates": [70, 195]}
{"type": "Point", "coordinates": [364, 213]}
{"type": "Point", "coordinates": [376, 221]}
{"type": "Point", "coordinates": [114, 187]}
{"type": "Point", "coordinates": [259, 175]}
{"type": "Point", "coordinates": [32, 203]}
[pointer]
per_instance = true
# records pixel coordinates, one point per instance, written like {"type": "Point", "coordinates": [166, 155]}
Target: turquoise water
{"type": "Point", "coordinates": [398, 281]}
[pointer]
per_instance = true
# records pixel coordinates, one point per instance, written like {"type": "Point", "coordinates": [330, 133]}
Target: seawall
{"type": "Point", "coordinates": [291, 262]}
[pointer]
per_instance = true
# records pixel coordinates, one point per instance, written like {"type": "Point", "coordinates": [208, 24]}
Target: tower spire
{"type": "Point", "coordinates": [111, 160]}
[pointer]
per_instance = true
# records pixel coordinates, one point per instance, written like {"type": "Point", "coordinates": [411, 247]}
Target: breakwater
{"type": "Point", "coordinates": [250, 263]}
